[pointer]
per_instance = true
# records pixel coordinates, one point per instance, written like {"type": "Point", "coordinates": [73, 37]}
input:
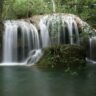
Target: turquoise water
{"type": "Point", "coordinates": [27, 81]}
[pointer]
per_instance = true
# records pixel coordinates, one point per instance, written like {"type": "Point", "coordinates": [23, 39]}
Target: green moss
{"type": "Point", "coordinates": [63, 56]}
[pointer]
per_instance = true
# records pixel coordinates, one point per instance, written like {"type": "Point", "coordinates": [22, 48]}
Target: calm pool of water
{"type": "Point", "coordinates": [27, 81]}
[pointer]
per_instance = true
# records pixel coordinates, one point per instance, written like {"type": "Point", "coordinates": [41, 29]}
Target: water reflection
{"type": "Point", "coordinates": [26, 81]}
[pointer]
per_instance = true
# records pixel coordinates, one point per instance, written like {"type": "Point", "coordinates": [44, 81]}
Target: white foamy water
{"type": "Point", "coordinates": [23, 43]}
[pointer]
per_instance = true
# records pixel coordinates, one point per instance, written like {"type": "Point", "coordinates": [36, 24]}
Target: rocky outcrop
{"type": "Point", "coordinates": [63, 56]}
{"type": "Point", "coordinates": [36, 19]}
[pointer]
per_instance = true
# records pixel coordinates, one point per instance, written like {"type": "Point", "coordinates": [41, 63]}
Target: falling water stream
{"type": "Point", "coordinates": [57, 29]}
{"type": "Point", "coordinates": [23, 43]}
{"type": "Point", "coordinates": [92, 50]}
{"type": "Point", "coordinates": [19, 39]}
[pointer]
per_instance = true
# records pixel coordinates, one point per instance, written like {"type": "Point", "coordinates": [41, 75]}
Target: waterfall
{"type": "Point", "coordinates": [63, 29]}
{"type": "Point", "coordinates": [23, 42]}
{"type": "Point", "coordinates": [19, 39]}
{"type": "Point", "coordinates": [57, 29]}
{"type": "Point", "coordinates": [92, 50]}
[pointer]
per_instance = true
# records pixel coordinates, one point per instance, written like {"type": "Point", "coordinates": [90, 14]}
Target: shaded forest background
{"type": "Point", "coordinates": [15, 9]}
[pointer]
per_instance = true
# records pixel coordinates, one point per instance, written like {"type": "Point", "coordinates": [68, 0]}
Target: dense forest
{"type": "Point", "coordinates": [13, 9]}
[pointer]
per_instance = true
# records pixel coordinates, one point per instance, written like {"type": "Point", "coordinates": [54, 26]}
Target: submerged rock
{"type": "Point", "coordinates": [63, 56]}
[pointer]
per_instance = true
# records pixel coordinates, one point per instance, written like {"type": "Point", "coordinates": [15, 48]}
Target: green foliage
{"type": "Point", "coordinates": [1, 8]}
{"type": "Point", "coordinates": [63, 56]}
{"type": "Point", "coordinates": [28, 7]}
{"type": "Point", "coordinates": [24, 8]}
{"type": "Point", "coordinates": [13, 9]}
{"type": "Point", "coordinates": [86, 33]}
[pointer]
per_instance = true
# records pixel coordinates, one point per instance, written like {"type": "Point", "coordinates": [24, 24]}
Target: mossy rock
{"type": "Point", "coordinates": [63, 56]}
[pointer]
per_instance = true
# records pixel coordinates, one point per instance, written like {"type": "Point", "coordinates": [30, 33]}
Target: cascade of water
{"type": "Point", "coordinates": [58, 29]}
{"type": "Point", "coordinates": [19, 39]}
{"type": "Point", "coordinates": [22, 41]}
{"type": "Point", "coordinates": [92, 50]}
{"type": "Point", "coordinates": [34, 57]}
{"type": "Point", "coordinates": [44, 34]}
{"type": "Point", "coordinates": [10, 45]}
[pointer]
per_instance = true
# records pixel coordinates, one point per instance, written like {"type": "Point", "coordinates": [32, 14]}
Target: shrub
{"type": "Point", "coordinates": [63, 56]}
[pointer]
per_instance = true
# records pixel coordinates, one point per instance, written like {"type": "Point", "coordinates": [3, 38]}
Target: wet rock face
{"type": "Point", "coordinates": [82, 26]}
{"type": "Point", "coordinates": [36, 19]}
